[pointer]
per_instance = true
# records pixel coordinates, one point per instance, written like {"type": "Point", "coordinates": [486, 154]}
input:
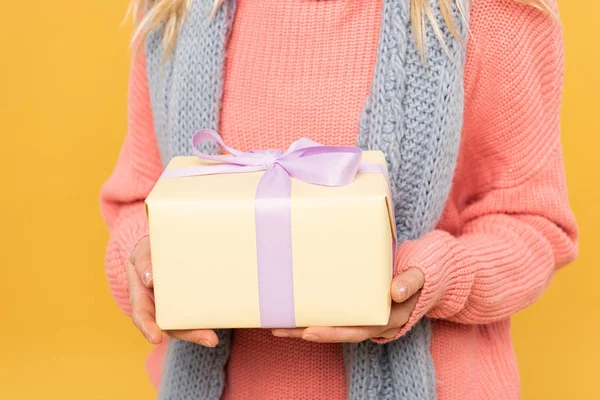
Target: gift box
{"type": "Point", "coordinates": [227, 253]}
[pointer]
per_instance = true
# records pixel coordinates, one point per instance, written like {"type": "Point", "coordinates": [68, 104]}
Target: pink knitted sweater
{"type": "Point", "coordinates": [507, 226]}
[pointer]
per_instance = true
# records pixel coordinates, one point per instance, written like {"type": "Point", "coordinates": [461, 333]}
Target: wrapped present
{"type": "Point", "coordinates": [270, 239]}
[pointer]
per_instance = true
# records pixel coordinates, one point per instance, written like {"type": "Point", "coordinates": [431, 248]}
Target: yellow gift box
{"type": "Point", "coordinates": [204, 250]}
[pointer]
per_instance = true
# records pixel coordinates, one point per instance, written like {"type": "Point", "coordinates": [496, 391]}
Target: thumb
{"type": "Point", "coordinates": [407, 284]}
{"type": "Point", "coordinates": [142, 262]}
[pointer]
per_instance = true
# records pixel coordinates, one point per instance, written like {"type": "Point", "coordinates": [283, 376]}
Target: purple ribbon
{"type": "Point", "coordinates": [305, 160]}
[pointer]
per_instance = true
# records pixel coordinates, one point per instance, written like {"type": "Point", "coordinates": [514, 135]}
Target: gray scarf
{"type": "Point", "coordinates": [413, 114]}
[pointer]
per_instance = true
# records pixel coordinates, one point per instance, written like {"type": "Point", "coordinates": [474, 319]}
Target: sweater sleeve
{"type": "Point", "coordinates": [509, 193]}
{"type": "Point", "coordinates": [122, 197]}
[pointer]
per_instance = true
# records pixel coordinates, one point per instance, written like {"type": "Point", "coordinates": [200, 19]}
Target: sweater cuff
{"type": "Point", "coordinates": [124, 237]}
{"type": "Point", "coordinates": [445, 272]}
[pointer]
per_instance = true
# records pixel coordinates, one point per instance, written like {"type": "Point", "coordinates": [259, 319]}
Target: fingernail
{"type": "Point", "coordinates": [206, 343]}
{"type": "Point", "coordinates": [147, 276]}
{"type": "Point", "coordinates": [401, 289]}
{"type": "Point", "coordinates": [281, 334]}
{"type": "Point", "coordinates": [311, 337]}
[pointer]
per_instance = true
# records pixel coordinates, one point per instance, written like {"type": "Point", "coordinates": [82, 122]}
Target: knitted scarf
{"type": "Point", "coordinates": [413, 114]}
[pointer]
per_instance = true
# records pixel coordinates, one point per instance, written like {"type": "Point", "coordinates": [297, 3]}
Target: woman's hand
{"type": "Point", "coordinates": [141, 296]}
{"type": "Point", "coordinates": [405, 292]}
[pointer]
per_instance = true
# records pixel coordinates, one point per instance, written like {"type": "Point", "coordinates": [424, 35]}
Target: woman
{"type": "Point", "coordinates": [470, 127]}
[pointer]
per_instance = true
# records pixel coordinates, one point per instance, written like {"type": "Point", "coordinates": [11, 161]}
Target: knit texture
{"type": "Point", "coordinates": [400, 369]}
{"type": "Point", "coordinates": [505, 229]}
{"type": "Point", "coordinates": [193, 372]}
{"type": "Point", "coordinates": [189, 79]}
{"type": "Point", "coordinates": [411, 115]}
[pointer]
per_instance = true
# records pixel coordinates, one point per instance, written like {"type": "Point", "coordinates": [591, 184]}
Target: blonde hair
{"type": "Point", "coordinates": [168, 15]}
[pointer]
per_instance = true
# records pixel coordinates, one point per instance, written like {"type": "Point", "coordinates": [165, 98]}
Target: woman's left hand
{"type": "Point", "coordinates": [405, 292]}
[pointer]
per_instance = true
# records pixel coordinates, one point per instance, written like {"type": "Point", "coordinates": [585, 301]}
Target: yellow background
{"type": "Point", "coordinates": [63, 81]}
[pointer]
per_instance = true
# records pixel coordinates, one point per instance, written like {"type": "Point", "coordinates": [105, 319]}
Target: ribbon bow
{"type": "Point", "coordinates": [305, 160]}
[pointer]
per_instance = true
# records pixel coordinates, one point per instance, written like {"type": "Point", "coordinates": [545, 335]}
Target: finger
{"type": "Point", "coordinates": [142, 306]}
{"type": "Point", "coordinates": [407, 284]}
{"type": "Point", "coordinates": [144, 318]}
{"type": "Point", "coordinates": [399, 316]}
{"type": "Point", "coordinates": [350, 334]}
{"type": "Point", "coordinates": [389, 334]}
{"type": "Point", "coordinates": [203, 337]}
{"type": "Point", "coordinates": [401, 312]}
{"type": "Point", "coordinates": [288, 333]}
{"type": "Point", "coordinates": [143, 267]}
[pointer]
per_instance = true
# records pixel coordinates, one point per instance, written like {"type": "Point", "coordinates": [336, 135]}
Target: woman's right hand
{"type": "Point", "coordinates": [141, 296]}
